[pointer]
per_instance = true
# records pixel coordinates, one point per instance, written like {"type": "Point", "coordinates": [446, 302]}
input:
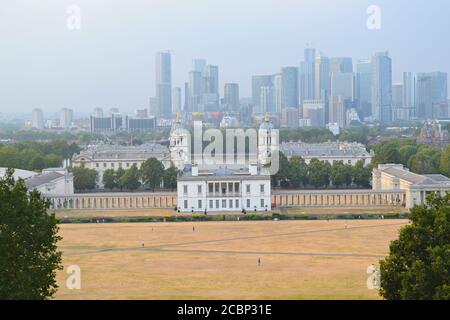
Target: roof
{"type": "Point", "coordinates": [116, 152]}
{"type": "Point", "coordinates": [417, 179]}
{"type": "Point", "coordinates": [321, 150]}
{"type": "Point", "coordinates": [221, 173]}
{"type": "Point", "coordinates": [18, 173]}
{"type": "Point", "coordinates": [42, 179]}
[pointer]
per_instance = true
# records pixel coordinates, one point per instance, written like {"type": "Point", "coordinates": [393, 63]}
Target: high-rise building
{"type": "Point", "coordinates": [65, 118]}
{"type": "Point", "coordinates": [267, 99]}
{"type": "Point", "coordinates": [164, 83]}
{"type": "Point", "coordinates": [398, 111]}
{"type": "Point", "coordinates": [431, 94]}
{"type": "Point", "coordinates": [323, 85]}
{"type": "Point", "coordinates": [198, 65]}
{"type": "Point", "coordinates": [307, 75]}
{"type": "Point", "coordinates": [342, 85]}
{"type": "Point", "coordinates": [141, 113]}
{"type": "Point", "coordinates": [341, 65]}
{"type": "Point", "coordinates": [278, 92]}
{"type": "Point", "coordinates": [231, 96]}
{"type": "Point", "coordinates": [176, 100]}
{"type": "Point", "coordinates": [409, 95]}
{"type": "Point", "coordinates": [257, 83]}
{"type": "Point", "coordinates": [314, 110]}
{"type": "Point", "coordinates": [37, 121]}
{"type": "Point", "coordinates": [337, 111]}
{"type": "Point", "coordinates": [98, 112]}
{"type": "Point", "coordinates": [363, 87]}
{"type": "Point", "coordinates": [382, 88]}
{"type": "Point", "coordinates": [195, 90]}
{"type": "Point", "coordinates": [289, 77]}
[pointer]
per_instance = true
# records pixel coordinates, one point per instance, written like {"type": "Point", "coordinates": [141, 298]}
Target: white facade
{"type": "Point", "coordinates": [223, 190]}
{"type": "Point", "coordinates": [180, 151]}
{"type": "Point", "coordinates": [52, 182]}
{"type": "Point", "coordinates": [267, 142]}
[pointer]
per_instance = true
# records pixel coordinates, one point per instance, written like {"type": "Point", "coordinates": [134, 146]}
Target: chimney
{"type": "Point", "coordinates": [195, 170]}
{"type": "Point", "coordinates": [253, 169]}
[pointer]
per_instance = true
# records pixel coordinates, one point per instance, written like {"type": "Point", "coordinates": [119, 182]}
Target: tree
{"type": "Point", "coordinates": [84, 179]}
{"type": "Point", "coordinates": [341, 174]}
{"type": "Point", "coordinates": [361, 175]}
{"type": "Point", "coordinates": [170, 177]}
{"type": "Point", "coordinates": [319, 173]}
{"type": "Point", "coordinates": [418, 266]}
{"type": "Point", "coordinates": [110, 179]}
{"type": "Point", "coordinates": [297, 172]}
{"type": "Point", "coordinates": [281, 178]}
{"type": "Point", "coordinates": [118, 174]}
{"type": "Point", "coordinates": [444, 163]}
{"type": "Point", "coordinates": [130, 180]}
{"type": "Point", "coordinates": [425, 161]}
{"type": "Point", "coordinates": [28, 243]}
{"type": "Point", "coordinates": [406, 152]}
{"type": "Point", "coordinates": [152, 173]}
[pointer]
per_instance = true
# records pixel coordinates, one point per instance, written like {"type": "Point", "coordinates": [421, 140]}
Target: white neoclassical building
{"type": "Point", "coordinates": [224, 189]}
{"type": "Point", "coordinates": [415, 187]}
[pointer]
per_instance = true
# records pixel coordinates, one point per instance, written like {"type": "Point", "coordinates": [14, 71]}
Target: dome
{"type": "Point", "coordinates": [266, 125]}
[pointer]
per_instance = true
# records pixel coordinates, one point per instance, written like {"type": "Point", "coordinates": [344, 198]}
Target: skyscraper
{"type": "Point", "coordinates": [289, 84]}
{"type": "Point", "coordinates": [307, 75]}
{"type": "Point", "coordinates": [37, 121]}
{"type": "Point", "coordinates": [342, 85]}
{"type": "Point", "coordinates": [278, 92]}
{"type": "Point", "coordinates": [431, 94]}
{"type": "Point", "coordinates": [65, 118]}
{"type": "Point", "coordinates": [382, 88]}
{"type": "Point", "coordinates": [337, 111]}
{"type": "Point", "coordinates": [409, 94]}
{"type": "Point", "coordinates": [176, 100]}
{"type": "Point", "coordinates": [363, 87]}
{"type": "Point", "coordinates": [398, 111]}
{"type": "Point", "coordinates": [343, 64]}
{"type": "Point", "coordinates": [322, 77]}
{"type": "Point", "coordinates": [257, 83]}
{"type": "Point", "coordinates": [231, 96]}
{"type": "Point", "coordinates": [164, 83]}
{"type": "Point", "coordinates": [267, 99]}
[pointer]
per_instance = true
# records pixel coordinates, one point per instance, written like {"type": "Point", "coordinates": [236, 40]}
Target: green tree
{"type": "Point", "coordinates": [110, 179]}
{"type": "Point", "coordinates": [152, 173]}
{"type": "Point", "coordinates": [281, 178]}
{"type": "Point", "coordinates": [444, 163]}
{"type": "Point", "coordinates": [118, 175]}
{"type": "Point", "coordinates": [418, 266]}
{"type": "Point", "coordinates": [28, 243]}
{"type": "Point", "coordinates": [319, 173]}
{"type": "Point", "coordinates": [341, 174]}
{"type": "Point", "coordinates": [425, 161]}
{"type": "Point", "coordinates": [130, 180]}
{"type": "Point", "coordinates": [84, 179]}
{"type": "Point", "coordinates": [361, 175]}
{"type": "Point", "coordinates": [170, 178]}
{"type": "Point", "coordinates": [297, 172]}
{"type": "Point", "coordinates": [406, 152]}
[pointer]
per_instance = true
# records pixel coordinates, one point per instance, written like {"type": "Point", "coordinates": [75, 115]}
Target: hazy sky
{"type": "Point", "coordinates": [110, 60]}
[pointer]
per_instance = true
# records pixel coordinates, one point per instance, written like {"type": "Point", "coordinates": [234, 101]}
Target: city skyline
{"type": "Point", "coordinates": [88, 71]}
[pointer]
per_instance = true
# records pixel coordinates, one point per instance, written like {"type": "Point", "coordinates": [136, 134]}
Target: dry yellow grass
{"type": "Point", "coordinates": [300, 259]}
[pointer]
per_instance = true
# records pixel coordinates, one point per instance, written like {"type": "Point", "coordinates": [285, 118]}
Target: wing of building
{"type": "Point", "coordinates": [416, 187]}
{"type": "Point", "coordinates": [104, 157]}
{"type": "Point", "coordinates": [349, 153]}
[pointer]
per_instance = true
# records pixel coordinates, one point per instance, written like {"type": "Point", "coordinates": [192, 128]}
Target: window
{"type": "Point", "coordinates": [230, 187]}
{"type": "Point", "coordinates": [236, 187]}
{"type": "Point", "coordinates": [217, 188]}
{"type": "Point", "coordinates": [237, 204]}
{"type": "Point", "coordinates": [185, 204]}
{"type": "Point", "coordinates": [224, 204]}
{"type": "Point", "coordinates": [231, 204]}
{"type": "Point", "coordinates": [211, 204]}
{"type": "Point", "coordinates": [112, 164]}
{"type": "Point", "coordinates": [200, 205]}
{"type": "Point", "coordinates": [185, 189]}
{"type": "Point", "coordinates": [261, 188]}
{"type": "Point", "coordinates": [97, 165]}
{"type": "Point", "coordinates": [128, 164]}
{"type": "Point", "coordinates": [248, 203]}
{"type": "Point", "coordinates": [248, 188]}
{"type": "Point", "coordinates": [349, 161]}
{"type": "Point", "coordinates": [104, 165]}
{"type": "Point", "coordinates": [217, 204]}
{"type": "Point", "coordinates": [210, 187]}
{"type": "Point", "coordinates": [262, 203]}
{"type": "Point", "coordinates": [199, 189]}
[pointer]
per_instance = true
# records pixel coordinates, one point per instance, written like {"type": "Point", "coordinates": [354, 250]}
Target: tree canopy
{"type": "Point", "coordinates": [28, 243]}
{"type": "Point", "coordinates": [418, 266]}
